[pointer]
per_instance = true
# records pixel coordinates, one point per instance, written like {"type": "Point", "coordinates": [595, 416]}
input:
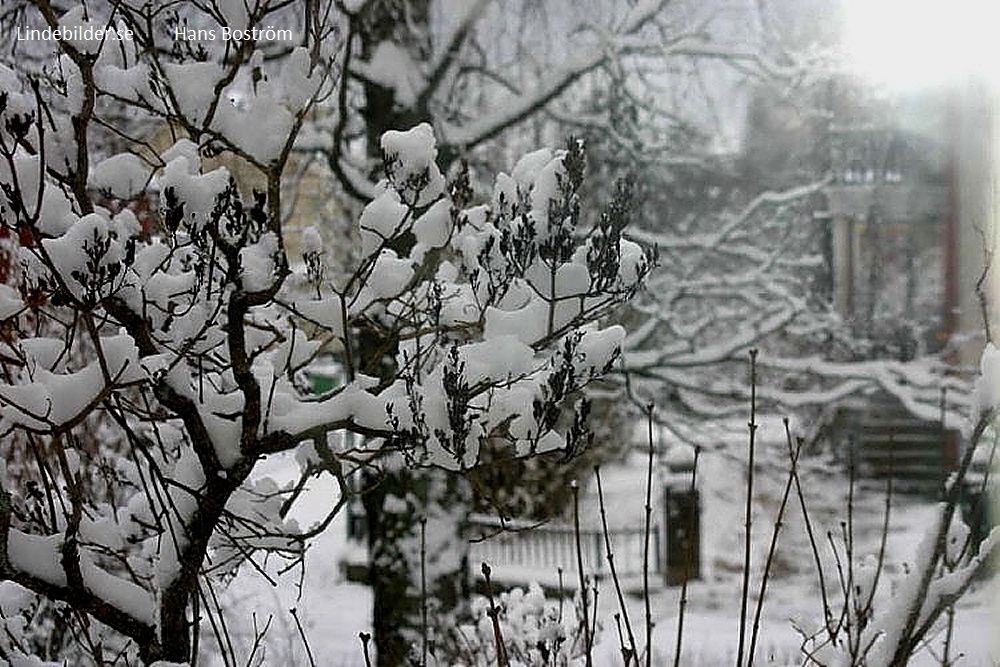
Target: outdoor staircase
{"type": "Point", "coordinates": [882, 439]}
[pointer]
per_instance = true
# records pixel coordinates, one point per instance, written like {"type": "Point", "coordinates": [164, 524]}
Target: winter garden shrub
{"type": "Point", "coordinates": [186, 344]}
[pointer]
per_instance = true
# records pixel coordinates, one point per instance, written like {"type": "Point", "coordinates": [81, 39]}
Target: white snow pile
{"type": "Point", "coordinates": [410, 165]}
{"type": "Point", "coordinates": [534, 629]}
{"type": "Point", "coordinates": [123, 176]}
{"type": "Point", "coordinates": [46, 398]}
{"type": "Point", "coordinates": [392, 67]}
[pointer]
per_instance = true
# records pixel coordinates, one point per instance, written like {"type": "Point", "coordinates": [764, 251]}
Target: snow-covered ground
{"type": "Point", "coordinates": [711, 624]}
{"type": "Point", "coordinates": [333, 612]}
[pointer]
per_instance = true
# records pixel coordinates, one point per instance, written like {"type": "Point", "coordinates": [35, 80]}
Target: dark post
{"type": "Point", "coordinates": [682, 513]}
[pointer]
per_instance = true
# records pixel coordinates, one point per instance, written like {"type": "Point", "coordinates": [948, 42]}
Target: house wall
{"type": "Point", "coordinates": [309, 197]}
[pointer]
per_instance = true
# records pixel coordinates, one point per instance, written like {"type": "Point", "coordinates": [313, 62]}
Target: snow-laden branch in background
{"type": "Point", "coordinates": [623, 42]}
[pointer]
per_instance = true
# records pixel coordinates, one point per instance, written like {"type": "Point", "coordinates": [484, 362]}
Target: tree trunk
{"type": "Point", "coordinates": [414, 517]}
{"type": "Point", "coordinates": [417, 560]}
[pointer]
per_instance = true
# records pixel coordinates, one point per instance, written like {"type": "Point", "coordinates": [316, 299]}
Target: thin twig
{"type": "Point", "coordinates": [609, 553]}
{"type": "Point", "coordinates": [745, 592]}
{"type": "Point", "coordinates": [773, 548]}
{"type": "Point", "coordinates": [559, 571]}
{"type": "Point", "coordinates": [305, 641]}
{"type": "Point", "coordinates": [981, 293]}
{"type": "Point", "coordinates": [817, 560]}
{"type": "Point", "coordinates": [258, 638]}
{"type": "Point", "coordinates": [625, 651]}
{"type": "Point", "coordinates": [949, 629]}
{"type": "Point", "coordinates": [587, 647]}
{"type": "Point", "coordinates": [646, 533]}
{"type": "Point", "coordinates": [365, 638]}
{"type": "Point", "coordinates": [841, 579]}
{"type": "Point", "coordinates": [853, 633]}
{"type": "Point", "coordinates": [593, 615]}
{"type": "Point", "coordinates": [865, 611]}
{"type": "Point", "coordinates": [494, 614]}
{"type": "Point", "coordinates": [423, 591]}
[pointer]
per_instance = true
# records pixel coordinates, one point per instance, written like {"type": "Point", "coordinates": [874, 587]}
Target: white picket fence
{"type": "Point", "coordinates": [519, 552]}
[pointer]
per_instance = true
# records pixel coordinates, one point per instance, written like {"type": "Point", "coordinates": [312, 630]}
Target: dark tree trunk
{"type": "Point", "coordinates": [398, 502]}
{"type": "Point", "coordinates": [407, 23]}
{"type": "Point", "coordinates": [417, 563]}
{"type": "Point", "coordinates": [393, 610]}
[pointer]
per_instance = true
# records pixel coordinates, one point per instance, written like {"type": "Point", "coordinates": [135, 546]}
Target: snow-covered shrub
{"type": "Point", "coordinates": [461, 321]}
{"type": "Point", "coordinates": [535, 630]}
